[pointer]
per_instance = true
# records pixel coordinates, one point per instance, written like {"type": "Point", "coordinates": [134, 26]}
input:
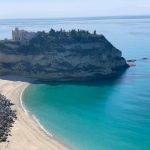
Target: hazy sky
{"type": "Point", "coordinates": [72, 8]}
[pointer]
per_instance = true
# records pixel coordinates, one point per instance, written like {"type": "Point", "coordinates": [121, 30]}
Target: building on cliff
{"type": "Point", "coordinates": [22, 35]}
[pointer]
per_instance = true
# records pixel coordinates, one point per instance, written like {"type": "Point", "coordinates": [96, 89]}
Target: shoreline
{"type": "Point", "coordinates": [32, 116]}
{"type": "Point", "coordinates": [21, 101]}
{"type": "Point", "coordinates": [27, 128]}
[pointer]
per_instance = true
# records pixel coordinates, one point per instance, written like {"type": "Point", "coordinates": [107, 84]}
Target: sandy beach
{"type": "Point", "coordinates": [26, 133]}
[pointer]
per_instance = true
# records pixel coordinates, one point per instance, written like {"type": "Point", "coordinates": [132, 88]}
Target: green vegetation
{"type": "Point", "coordinates": [9, 46]}
{"type": "Point", "coordinates": [59, 39]}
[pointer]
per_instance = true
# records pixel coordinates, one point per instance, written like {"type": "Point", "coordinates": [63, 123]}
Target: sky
{"type": "Point", "coordinates": [72, 8]}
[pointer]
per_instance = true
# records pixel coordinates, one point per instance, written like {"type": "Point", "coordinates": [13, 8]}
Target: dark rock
{"type": "Point", "coordinates": [7, 118]}
{"type": "Point", "coordinates": [145, 58]}
{"type": "Point", "coordinates": [131, 60]}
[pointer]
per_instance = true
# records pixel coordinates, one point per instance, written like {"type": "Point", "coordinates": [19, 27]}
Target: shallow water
{"type": "Point", "coordinates": [102, 115]}
{"type": "Point", "coordinates": [108, 115]}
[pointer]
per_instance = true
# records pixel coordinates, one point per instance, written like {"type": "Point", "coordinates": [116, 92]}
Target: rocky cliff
{"type": "Point", "coordinates": [61, 56]}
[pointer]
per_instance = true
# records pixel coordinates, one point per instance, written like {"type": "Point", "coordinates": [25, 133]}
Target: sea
{"type": "Point", "coordinates": [96, 115]}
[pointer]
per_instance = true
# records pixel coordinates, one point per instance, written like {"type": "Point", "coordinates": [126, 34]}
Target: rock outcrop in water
{"type": "Point", "coordinates": [7, 118]}
{"type": "Point", "coordinates": [61, 56]}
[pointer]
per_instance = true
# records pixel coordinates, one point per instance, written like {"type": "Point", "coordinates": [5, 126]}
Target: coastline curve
{"type": "Point", "coordinates": [26, 128]}
{"type": "Point", "coordinates": [29, 113]}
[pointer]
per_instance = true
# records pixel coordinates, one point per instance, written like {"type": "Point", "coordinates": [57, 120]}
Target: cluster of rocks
{"type": "Point", "coordinates": [7, 118]}
{"type": "Point", "coordinates": [134, 60]}
{"type": "Point", "coordinates": [131, 62]}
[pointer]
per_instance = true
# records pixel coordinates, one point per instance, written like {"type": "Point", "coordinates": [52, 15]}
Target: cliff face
{"type": "Point", "coordinates": [74, 61]}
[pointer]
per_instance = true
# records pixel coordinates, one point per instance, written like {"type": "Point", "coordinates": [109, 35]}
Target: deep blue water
{"type": "Point", "coordinates": [102, 115]}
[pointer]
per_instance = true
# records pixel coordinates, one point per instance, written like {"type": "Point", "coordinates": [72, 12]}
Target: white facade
{"type": "Point", "coordinates": [22, 35]}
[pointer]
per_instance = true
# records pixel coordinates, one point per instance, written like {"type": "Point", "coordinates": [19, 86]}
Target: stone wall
{"type": "Point", "coordinates": [22, 35]}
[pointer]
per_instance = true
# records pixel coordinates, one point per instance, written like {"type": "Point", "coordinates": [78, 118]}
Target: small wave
{"type": "Point", "coordinates": [41, 126]}
{"type": "Point", "coordinates": [34, 117]}
{"type": "Point", "coordinates": [21, 103]}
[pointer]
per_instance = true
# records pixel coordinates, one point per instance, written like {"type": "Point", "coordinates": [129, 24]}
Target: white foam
{"type": "Point", "coordinates": [34, 117]}
{"type": "Point", "coordinates": [21, 102]}
{"type": "Point", "coordinates": [41, 126]}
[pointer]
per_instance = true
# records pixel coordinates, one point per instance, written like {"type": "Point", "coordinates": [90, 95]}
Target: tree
{"type": "Point", "coordinates": [52, 32]}
{"type": "Point", "coordinates": [94, 32]}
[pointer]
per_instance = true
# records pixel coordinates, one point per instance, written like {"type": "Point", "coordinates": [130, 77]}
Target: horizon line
{"type": "Point", "coordinates": [87, 17]}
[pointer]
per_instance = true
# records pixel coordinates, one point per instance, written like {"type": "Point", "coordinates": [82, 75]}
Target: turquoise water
{"type": "Point", "coordinates": [102, 115]}
{"type": "Point", "coordinates": [112, 115]}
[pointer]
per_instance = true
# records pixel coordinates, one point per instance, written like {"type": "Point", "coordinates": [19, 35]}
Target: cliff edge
{"type": "Point", "coordinates": [62, 56]}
